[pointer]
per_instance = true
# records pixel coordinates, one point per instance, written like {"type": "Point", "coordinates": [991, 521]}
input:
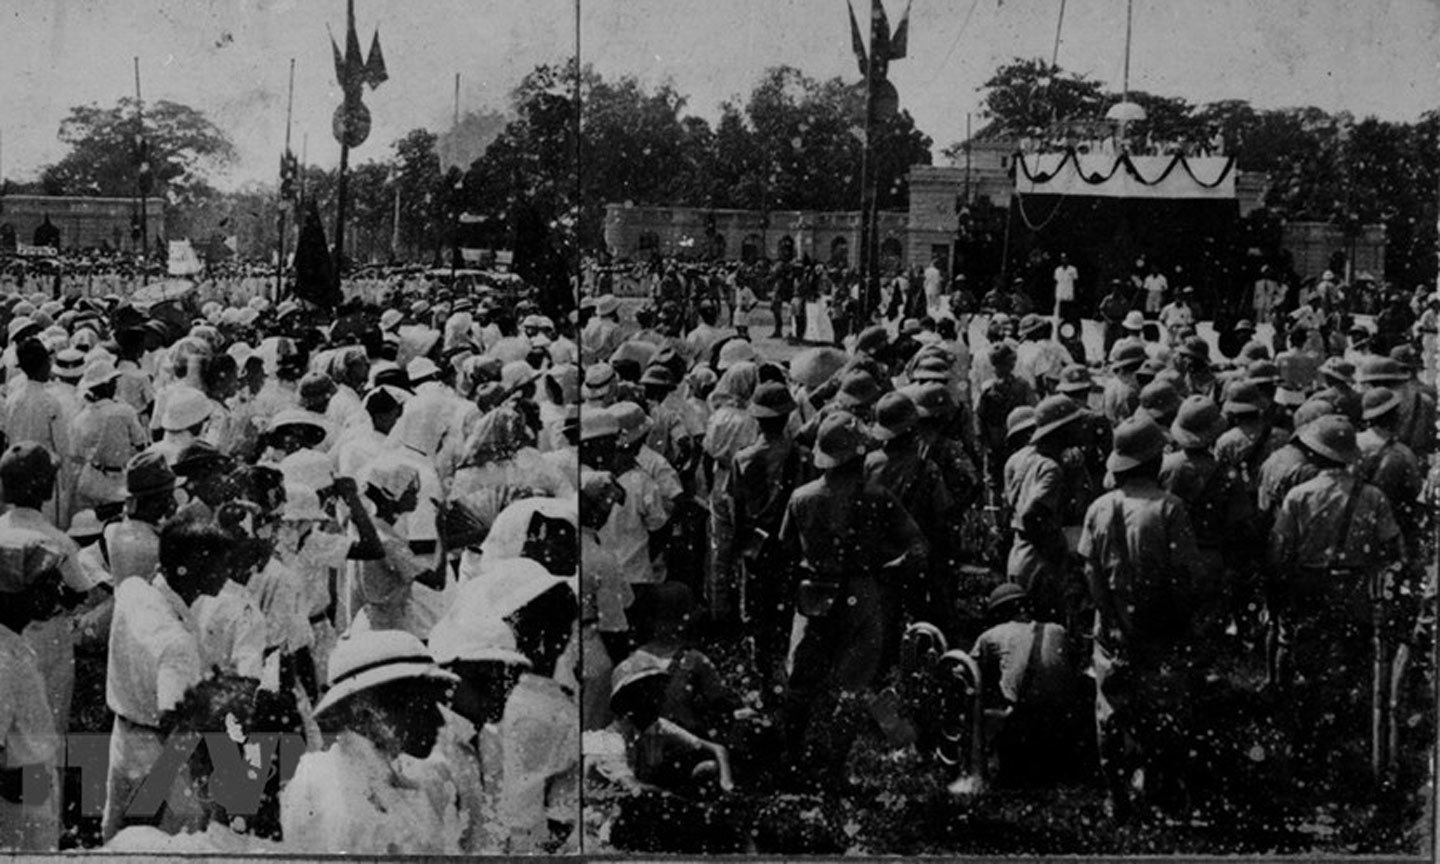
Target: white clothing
{"type": "Point", "coordinates": [27, 737]}
{"type": "Point", "coordinates": [1065, 276]}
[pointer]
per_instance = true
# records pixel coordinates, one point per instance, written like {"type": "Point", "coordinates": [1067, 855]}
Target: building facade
{"type": "Point", "coordinates": [82, 223]}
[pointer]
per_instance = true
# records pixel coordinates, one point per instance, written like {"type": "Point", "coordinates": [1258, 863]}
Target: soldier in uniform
{"type": "Point", "coordinates": [1141, 564]}
{"type": "Point", "coordinates": [766, 473]}
{"type": "Point", "coordinates": [1037, 499]}
{"type": "Point", "coordinates": [843, 535]}
{"type": "Point", "coordinates": [1333, 539]}
{"type": "Point", "coordinates": [1247, 444]}
{"type": "Point", "coordinates": [998, 397]}
{"type": "Point", "coordinates": [1121, 395]}
{"type": "Point", "coordinates": [1338, 375]}
{"type": "Point", "coordinates": [902, 468]}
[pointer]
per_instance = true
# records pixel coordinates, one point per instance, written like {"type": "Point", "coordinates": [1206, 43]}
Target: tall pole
{"type": "Point", "coordinates": [867, 216]}
{"type": "Point", "coordinates": [280, 256]}
{"type": "Point", "coordinates": [455, 119]}
{"type": "Point", "coordinates": [140, 184]}
{"type": "Point", "coordinates": [1059, 22]}
{"type": "Point", "coordinates": [395, 231]}
{"type": "Point", "coordinates": [1129, 14]}
{"type": "Point", "coordinates": [304, 156]}
{"type": "Point", "coordinates": [342, 182]}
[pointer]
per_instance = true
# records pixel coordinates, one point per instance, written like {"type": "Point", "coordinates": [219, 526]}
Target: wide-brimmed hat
{"type": "Point", "coordinates": [1138, 440]}
{"type": "Point", "coordinates": [657, 375]}
{"type": "Point", "coordinates": [1382, 370]}
{"type": "Point", "coordinates": [1243, 397]}
{"type": "Point", "coordinates": [1333, 437]}
{"type": "Point", "coordinates": [1134, 320]}
{"type": "Point", "coordinates": [367, 660]}
{"type": "Point", "coordinates": [84, 525]}
{"type": "Point", "coordinates": [634, 423]}
{"type": "Point", "coordinates": [1377, 402]}
{"type": "Point", "coordinates": [895, 415]}
{"type": "Point", "coordinates": [1195, 348]}
{"type": "Point", "coordinates": [932, 399]}
{"type": "Point", "coordinates": [771, 399]}
{"type": "Point", "coordinates": [1075, 378]}
{"type": "Point", "coordinates": [69, 364]}
{"type": "Point", "coordinates": [598, 423]}
{"type": "Point", "coordinates": [1127, 355]}
{"type": "Point", "coordinates": [310, 425]}
{"type": "Point", "coordinates": [1405, 355]}
{"type": "Point", "coordinates": [640, 666]}
{"type": "Point", "coordinates": [185, 407]}
{"type": "Point", "coordinates": [1019, 420]}
{"type": "Point", "coordinates": [599, 379]}
{"type": "Point", "coordinates": [1004, 594]}
{"type": "Point", "coordinates": [1263, 372]}
{"type": "Point", "coordinates": [840, 440]}
{"type": "Point", "coordinates": [470, 631]}
{"type": "Point", "coordinates": [1159, 399]}
{"type": "Point", "coordinates": [872, 339]}
{"type": "Point", "coordinates": [931, 367]}
{"type": "Point", "coordinates": [1338, 369]}
{"type": "Point", "coordinates": [1198, 423]}
{"type": "Point", "coordinates": [1052, 413]}
{"type": "Point", "coordinates": [198, 457]}
{"type": "Point", "coordinates": [148, 473]}
{"type": "Point", "coordinates": [736, 351]}
{"type": "Point", "coordinates": [1312, 410]}
{"type": "Point", "coordinates": [857, 388]}
{"type": "Point", "coordinates": [1032, 323]}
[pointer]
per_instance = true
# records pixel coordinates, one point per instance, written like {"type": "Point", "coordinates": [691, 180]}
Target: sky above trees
{"type": "Point", "coordinates": [228, 58]}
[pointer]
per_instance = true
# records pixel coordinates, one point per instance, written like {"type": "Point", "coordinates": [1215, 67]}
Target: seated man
{"type": "Point", "coordinates": [1028, 677]}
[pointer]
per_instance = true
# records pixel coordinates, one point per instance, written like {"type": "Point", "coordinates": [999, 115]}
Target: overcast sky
{"type": "Point", "coordinates": [229, 57]}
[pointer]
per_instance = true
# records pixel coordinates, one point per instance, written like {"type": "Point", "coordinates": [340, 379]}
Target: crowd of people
{"type": "Point", "coordinates": [1115, 544]}
{"type": "Point", "coordinates": [307, 576]}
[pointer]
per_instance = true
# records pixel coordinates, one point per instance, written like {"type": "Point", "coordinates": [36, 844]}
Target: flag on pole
{"type": "Point", "coordinates": [354, 61]}
{"type": "Point", "coordinates": [901, 36]}
{"type": "Point", "coordinates": [339, 61]}
{"type": "Point", "coordinates": [315, 278]}
{"type": "Point", "coordinates": [375, 73]}
{"type": "Point", "coordinates": [857, 43]}
{"type": "Point", "coordinates": [879, 40]}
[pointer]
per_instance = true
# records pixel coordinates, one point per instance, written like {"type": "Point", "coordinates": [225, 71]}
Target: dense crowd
{"type": "Point", "coordinates": [805, 547]}
{"type": "Point", "coordinates": [288, 579]}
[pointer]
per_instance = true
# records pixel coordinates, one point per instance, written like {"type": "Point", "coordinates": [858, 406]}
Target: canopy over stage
{"type": "Point", "coordinates": [1104, 175]}
{"type": "Point", "coordinates": [1107, 211]}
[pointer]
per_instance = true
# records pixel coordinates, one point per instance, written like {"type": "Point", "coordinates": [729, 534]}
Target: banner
{"type": "Point", "coordinates": [27, 250]}
{"type": "Point", "coordinates": [1106, 175]}
{"type": "Point", "coordinates": [183, 260]}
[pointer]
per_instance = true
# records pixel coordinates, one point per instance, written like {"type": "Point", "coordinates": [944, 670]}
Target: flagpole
{"type": "Point", "coordinates": [284, 160]}
{"type": "Point", "coordinates": [342, 184]}
{"type": "Point", "coordinates": [1059, 22]}
{"type": "Point", "coordinates": [867, 217]}
{"type": "Point", "coordinates": [140, 183]}
{"type": "Point", "coordinates": [304, 155]}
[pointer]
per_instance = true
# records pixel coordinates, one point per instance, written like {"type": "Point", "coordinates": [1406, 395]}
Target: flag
{"type": "Point", "coordinates": [315, 278]}
{"type": "Point", "coordinates": [339, 62]}
{"type": "Point", "coordinates": [182, 259]}
{"type": "Point", "coordinates": [375, 73]}
{"type": "Point", "coordinates": [900, 37]}
{"type": "Point", "coordinates": [856, 43]}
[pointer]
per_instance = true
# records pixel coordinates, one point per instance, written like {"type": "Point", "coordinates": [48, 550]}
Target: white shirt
{"type": "Point", "coordinates": [540, 740]}
{"type": "Point", "coordinates": [351, 799]}
{"type": "Point", "coordinates": [232, 630]}
{"type": "Point", "coordinates": [27, 737]}
{"type": "Point", "coordinates": [154, 651]}
{"type": "Point", "coordinates": [1065, 276]}
{"type": "Point", "coordinates": [627, 532]}
{"type": "Point", "coordinates": [1156, 284]}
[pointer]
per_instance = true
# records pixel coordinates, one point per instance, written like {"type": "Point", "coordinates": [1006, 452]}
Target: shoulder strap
{"type": "Point", "coordinates": [1022, 687]}
{"type": "Point", "coordinates": [1347, 520]}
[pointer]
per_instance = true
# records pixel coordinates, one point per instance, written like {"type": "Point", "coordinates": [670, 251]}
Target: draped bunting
{"type": "Point", "coordinates": [1109, 176]}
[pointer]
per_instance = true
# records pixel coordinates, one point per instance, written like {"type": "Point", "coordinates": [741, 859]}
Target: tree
{"type": "Point", "coordinates": [185, 149]}
{"type": "Point", "coordinates": [1025, 97]}
{"type": "Point", "coordinates": [418, 174]}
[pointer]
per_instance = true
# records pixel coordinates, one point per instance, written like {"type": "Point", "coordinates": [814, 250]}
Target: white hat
{"type": "Point", "coordinates": [1134, 320]}
{"type": "Point", "coordinates": [511, 527]}
{"type": "Point", "coordinates": [517, 373]}
{"type": "Point", "coordinates": [376, 657]}
{"type": "Point", "coordinates": [184, 407]}
{"type": "Point", "coordinates": [391, 318]}
{"type": "Point", "coordinates": [391, 475]}
{"type": "Point", "coordinates": [98, 372]}
{"type": "Point", "coordinates": [302, 504]}
{"type": "Point", "coordinates": [469, 630]}
{"type": "Point", "coordinates": [309, 468]}
{"type": "Point", "coordinates": [421, 369]}
{"type": "Point", "coordinates": [510, 585]}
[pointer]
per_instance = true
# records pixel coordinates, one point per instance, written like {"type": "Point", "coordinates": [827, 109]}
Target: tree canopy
{"type": "Point", "coordinates": [185, 150]}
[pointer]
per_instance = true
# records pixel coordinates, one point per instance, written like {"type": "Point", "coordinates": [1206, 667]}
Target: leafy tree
{"type": "Point", "coordinates": [1024, 97]}
{"type": "Point", "coordinates": [186, 149]}
{"type": "Point", "coordinates": [418, 174]}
